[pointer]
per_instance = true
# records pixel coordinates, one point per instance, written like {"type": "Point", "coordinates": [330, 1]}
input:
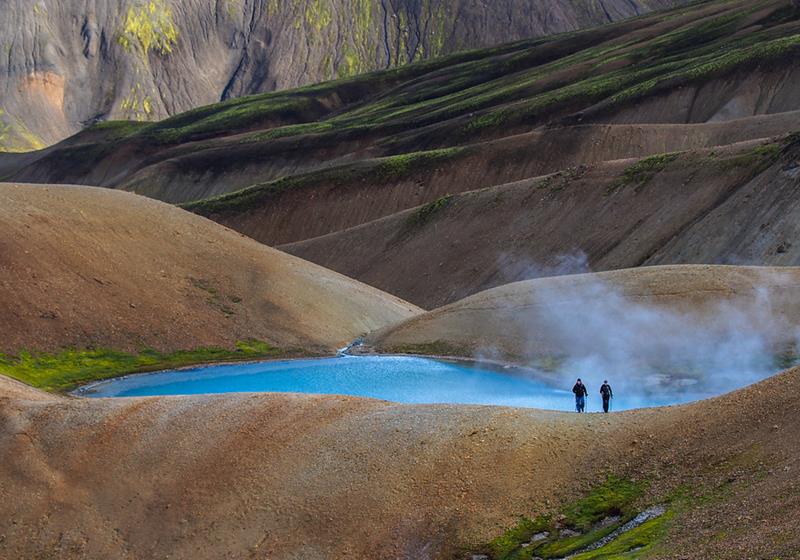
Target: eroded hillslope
{"type": "Point", "coordinates": [733, 205]}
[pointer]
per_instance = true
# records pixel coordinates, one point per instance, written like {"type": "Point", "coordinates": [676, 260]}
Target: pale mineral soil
{"type": "Point", "coordinates": [516, 320]}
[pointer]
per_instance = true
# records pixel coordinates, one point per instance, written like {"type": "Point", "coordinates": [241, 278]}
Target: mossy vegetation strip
{"type": "Point", "coordinates": [643, 171]}
{"type": "Point", "coordinates": [580, 524]}
{"type": "Point", "coordinates": [68, 369]}
{"type": "Point", "coordinates": [477, 94]}
{"type": "Point", "coordinates": [376, 171]}
{"type": "Point", "coordinates": [424, 213]}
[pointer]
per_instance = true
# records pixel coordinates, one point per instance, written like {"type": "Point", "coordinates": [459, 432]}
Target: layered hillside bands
{"type": "Point", "coordinates": [69, 63]}
{"type": "Point", "coordinates": [663, 139]}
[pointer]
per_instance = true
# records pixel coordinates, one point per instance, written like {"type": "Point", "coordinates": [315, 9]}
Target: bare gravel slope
{"type": "Point", "coordinates": [87, 266]}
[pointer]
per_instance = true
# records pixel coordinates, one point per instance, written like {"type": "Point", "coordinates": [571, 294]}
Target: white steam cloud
{"type": "Point", "coordinates": [655, 354]}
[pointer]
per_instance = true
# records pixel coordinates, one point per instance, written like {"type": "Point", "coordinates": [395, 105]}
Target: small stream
{"type": "Point", "coordinates": [641, 519]}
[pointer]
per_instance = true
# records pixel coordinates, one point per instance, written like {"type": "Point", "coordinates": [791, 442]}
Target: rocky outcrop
{"type": "Point", "coordinates": [67, 63]}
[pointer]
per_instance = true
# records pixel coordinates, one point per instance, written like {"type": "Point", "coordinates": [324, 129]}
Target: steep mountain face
{"type": "Point", "coordinates": [67, 63]}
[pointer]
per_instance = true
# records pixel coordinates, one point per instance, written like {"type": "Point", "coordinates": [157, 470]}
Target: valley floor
{"type": "Point", "coordinates": [288, 476]}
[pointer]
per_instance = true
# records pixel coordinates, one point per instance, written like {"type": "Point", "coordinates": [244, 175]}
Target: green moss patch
{"type": "Point", "coordinates": [643, 171]}
{"type": "Point", "coordinates": [378, 171]}
{"type": "Point", "coordinates": [633, 544]}
{"type": "Point", "coordinates": [508, 544]}
{"type": "Point", "coordinates": [612, 503]}
{"type": "Point", "coordinates": [424, 213]}
{"type": "Point", "coordinates": [69, 369]}
{"type": "Point", "coordinates": [614, 497]}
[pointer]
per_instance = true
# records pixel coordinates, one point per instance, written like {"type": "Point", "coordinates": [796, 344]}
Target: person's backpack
{"type": "Point", "coordinates": [605, 390]}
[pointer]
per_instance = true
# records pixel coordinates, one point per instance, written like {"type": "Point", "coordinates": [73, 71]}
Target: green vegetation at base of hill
{"type": "Point", "coordinates": [15, 136]}
{"type": "Point", "coordinates": [633, 544]}
{"type": "Point", "coordinates": [69, 369]}
{"type": "Point", "coordinates": [615, 500]}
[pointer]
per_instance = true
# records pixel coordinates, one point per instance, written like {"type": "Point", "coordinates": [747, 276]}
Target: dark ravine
{"type": "Point", "coordinates": [67, 63]}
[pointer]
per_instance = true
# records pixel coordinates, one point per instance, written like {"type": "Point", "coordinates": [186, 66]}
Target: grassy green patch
{"type": "Point", "coordinates": [561, 547]}
{"type": "Point", "coordinates": [614, 498]}
{"type": "Point", "coordinates": [149, 27]}
{"type": "Point", "coordinates": [68, 369]}
{"type": "Point", "coordinates": [426, 212]}
{"type": "Point", "coordinates": [378, 171]}
{"type": "Point", "coordinates": [508, 544]}
{"type": "Point", "coordinates": [633, 544]}
{"type": "Point", "coordinates": [116, 130]}
{"type": "Point", "coordinates": [403, 165]}
{"type": "Point", "coordinates": [641, 172]}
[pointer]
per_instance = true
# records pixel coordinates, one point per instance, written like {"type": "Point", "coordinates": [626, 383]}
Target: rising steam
{"type": "Point", "coordinates": [656, 353]}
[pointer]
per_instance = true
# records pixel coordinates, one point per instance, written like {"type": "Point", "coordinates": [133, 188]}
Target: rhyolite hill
{"type": "Point", "coordinates": [68, 63]}
{"type": "Point", "coordinates": [662, 139]}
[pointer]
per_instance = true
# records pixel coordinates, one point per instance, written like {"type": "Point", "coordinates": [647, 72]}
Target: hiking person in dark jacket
{"type": "Point", "coordinates": [606, 393]}
{"type": "Point", "coordinates": [580, 395]}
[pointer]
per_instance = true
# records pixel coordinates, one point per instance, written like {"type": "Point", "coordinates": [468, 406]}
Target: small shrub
{"type": "Point", "coordinates": [426, 212]}
{"type": "Point", "coordinates": [641, 172]}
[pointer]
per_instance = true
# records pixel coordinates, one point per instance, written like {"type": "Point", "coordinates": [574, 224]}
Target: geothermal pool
{"type": "Point", "coordinates": [401, 379]}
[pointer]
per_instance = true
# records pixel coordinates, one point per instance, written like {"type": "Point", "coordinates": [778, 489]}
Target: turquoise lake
{"type": "Point", "coordinates": [402, 379]}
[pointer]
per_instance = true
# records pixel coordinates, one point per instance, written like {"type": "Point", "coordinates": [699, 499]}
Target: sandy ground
{"type": "Point", "coordinates": [288, 476]}
{"type": "Point", "coordinates": [88, 266]}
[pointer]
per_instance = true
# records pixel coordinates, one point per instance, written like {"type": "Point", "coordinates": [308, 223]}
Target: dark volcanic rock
{"type": "Point", "coordinates": [67, 63]}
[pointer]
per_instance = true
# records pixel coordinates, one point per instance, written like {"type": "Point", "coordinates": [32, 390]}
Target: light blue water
{"type": "Point", "coordinates": [395, 378]}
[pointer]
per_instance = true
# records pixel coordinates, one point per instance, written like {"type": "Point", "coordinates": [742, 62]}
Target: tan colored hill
{"type": "Point", "coordinates": [289, 477]}
{"type": "Point", "coordinates": [87, 267]}
{"type": "Point", "coordinates": [585, 314]}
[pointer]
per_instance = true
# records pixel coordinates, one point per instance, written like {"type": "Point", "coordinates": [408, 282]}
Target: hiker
{"type": "Point", "coordinates": [606, 393]}
{"type": "Point", "coordinates": [580, 395]}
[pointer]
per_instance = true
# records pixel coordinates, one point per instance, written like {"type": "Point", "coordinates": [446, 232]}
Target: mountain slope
{"type": "Point", "coordinates": [727, 59]}
{"type": "Point", "coordinates": [88, 267]}
{"type": "Point", "coordinates": [309, 165]}
{"type": "Point", "coordinates": [67, 63]}
{"type": "Point", "coordinates": [732, 205]}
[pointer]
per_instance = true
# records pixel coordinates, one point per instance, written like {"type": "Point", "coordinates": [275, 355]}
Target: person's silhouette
{"type": "Point", "coordinates": [580, 395]}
